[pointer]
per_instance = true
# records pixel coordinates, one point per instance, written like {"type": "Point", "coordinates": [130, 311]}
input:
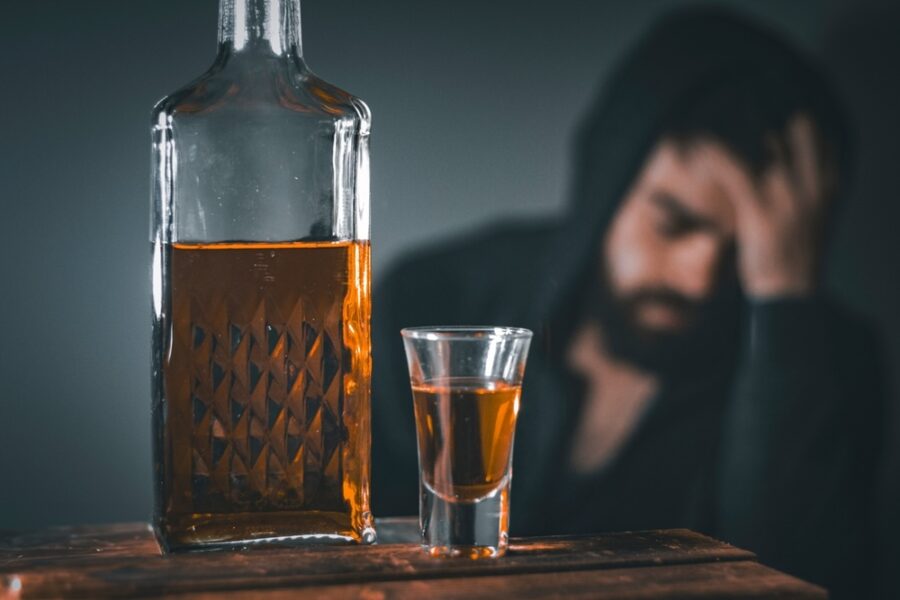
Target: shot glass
{"type": "Point", "coordinates": [466, 384]}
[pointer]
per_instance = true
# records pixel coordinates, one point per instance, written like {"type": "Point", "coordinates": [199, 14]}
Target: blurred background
{"type": "Point", "coordinates": [474, 105]}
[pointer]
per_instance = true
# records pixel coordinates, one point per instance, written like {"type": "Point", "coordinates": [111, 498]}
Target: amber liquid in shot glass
{"type": "Point", "coordinates": [465, 431]}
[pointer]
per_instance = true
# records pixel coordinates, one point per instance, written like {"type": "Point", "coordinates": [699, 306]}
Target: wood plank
{"type": "Point", "coordinates": [124, 560]}
{"type": "Point", "coordinates": [742, 579]}
{"type": "Point", "coordinates": [68, 545]}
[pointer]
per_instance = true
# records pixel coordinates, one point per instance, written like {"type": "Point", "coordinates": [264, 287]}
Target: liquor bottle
{"type": "Point", "coordinates": [261, 311]}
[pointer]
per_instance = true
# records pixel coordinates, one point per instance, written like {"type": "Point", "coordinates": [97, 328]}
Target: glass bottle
{"type": "Point", "coordinates": [261, 313]}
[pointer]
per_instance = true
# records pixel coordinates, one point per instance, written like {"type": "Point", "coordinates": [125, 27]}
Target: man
{"type": "Point", "coordinates": [687, 369]}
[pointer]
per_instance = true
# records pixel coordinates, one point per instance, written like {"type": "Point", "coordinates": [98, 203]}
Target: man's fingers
{"type": "Point", "coordinates": [806, 158]}
{"type": "Point", "coordinates": [736, 182]}
{"type": "Point", "coordinates": [778, 149]}
{"type": "Point", "coordinates": [779, 190]}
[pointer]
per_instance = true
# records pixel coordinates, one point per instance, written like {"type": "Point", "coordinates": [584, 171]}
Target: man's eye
{"type": "Point", "coordinates": [672, 227]}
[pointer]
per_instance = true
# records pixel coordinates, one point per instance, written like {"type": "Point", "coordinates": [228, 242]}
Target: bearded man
{"type": "Point", "coordinates": [687, 369]}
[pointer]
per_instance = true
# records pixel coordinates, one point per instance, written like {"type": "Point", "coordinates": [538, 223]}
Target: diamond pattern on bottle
{"type": "Point", "coordinates": [266, 407]}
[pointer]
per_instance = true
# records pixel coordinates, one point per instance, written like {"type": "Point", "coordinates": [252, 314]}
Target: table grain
{"type": "Point", "coordinates": [124, 561]}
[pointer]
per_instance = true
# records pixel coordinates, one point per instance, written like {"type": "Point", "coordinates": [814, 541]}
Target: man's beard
{"type": "Point", "coordinates": [710, 334]}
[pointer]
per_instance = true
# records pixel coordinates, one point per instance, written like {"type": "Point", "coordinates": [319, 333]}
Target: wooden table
{"type": "Point", "coordinates": [124, 561]}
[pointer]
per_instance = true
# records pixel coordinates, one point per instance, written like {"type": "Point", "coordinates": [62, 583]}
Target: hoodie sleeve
{"type": "Point", "coordinates": [800, 442]}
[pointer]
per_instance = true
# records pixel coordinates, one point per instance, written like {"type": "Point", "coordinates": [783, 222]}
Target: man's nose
{"type": "Point", "coordinates": [694, 268]}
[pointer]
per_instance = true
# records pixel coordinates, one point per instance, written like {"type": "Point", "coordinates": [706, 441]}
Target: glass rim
{"type": "Point", "coordinates": [465, 332]}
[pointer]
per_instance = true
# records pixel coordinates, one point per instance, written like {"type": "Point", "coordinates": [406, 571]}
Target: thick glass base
{"type": "Point", "coordinates": [468, 529]}
{"type": "Point", "coordinates": [239, 530]}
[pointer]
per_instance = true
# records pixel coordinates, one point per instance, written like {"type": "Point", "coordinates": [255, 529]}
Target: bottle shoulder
{"type": "Point", "coordinates": [254, 85]}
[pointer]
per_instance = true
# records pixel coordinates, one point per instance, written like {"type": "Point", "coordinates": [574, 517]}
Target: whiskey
{"type": "Point", "coordinates": [265, 377]}
{"type": "Point", "coordinates": [465, 435]}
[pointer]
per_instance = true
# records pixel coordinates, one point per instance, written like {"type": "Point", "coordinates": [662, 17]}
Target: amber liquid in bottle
{"type": "Point", "coordinates": [266, 381]}
{"type": "Point", "coordinates": [465, 434]}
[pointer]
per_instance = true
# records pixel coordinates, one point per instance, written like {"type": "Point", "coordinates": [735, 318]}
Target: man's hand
{"type": "Point", "coordinates": [778, 215]}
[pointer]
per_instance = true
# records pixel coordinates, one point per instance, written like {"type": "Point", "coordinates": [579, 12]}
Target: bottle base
{"type": "Point", "coordinates": [235, 531]}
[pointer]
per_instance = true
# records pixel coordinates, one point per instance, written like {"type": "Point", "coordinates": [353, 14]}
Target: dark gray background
{"type": "Point", "coordinates": [474, 104]}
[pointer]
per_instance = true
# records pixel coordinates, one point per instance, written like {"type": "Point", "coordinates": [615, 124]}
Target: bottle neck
{"type": "Point", "coordinates": [267, 26]}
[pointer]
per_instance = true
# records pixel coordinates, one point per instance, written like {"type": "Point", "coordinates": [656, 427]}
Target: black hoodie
{"type": "Point", "coordinates": [770, 442]}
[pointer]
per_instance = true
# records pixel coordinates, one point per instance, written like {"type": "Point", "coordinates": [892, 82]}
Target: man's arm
{"type": "Point", "coordinates": [802, 434]}
{"type": "Point", "coordinates": [800, 444]}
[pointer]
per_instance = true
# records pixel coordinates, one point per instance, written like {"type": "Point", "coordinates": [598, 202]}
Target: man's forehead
{"type": "Point", "coordinates": [681, 174]}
